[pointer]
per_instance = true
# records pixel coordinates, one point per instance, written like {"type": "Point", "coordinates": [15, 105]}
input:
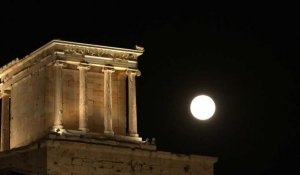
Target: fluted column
{"type": "Point", "coordinates": [108, 124]}
{"type": "Point", "coordinates": [132, 118]}
{"type": "Point", "coordinates": [83, 105]}
{"type": "Point", "coordinates": [5, 124]}
{"type": "Point", "coordinates": [58, 111]}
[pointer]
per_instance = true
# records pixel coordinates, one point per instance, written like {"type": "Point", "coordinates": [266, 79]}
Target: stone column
{"type": "Point", "coordinates": [132, 117]}
{"type": "Point", "coordinates": [5, 124]}
{"type": "Point", "coordinates": [58, 111]}
{"type": "Point", "coordinates": [108, 125]}
{"type": "Point", "coordinates": [83, 105]}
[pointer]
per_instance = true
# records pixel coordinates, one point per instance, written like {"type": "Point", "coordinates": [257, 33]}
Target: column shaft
{"type": "Point", "coordinates": [58, 111]}
{"type": "Point", "coordinates": [83, 105]}
{"type": "Point", "coordinates": [5, 124]}
{"type": "Point", "coordinates": [132, 118]}
{"type": "Point", "coordinates": [108, 123]}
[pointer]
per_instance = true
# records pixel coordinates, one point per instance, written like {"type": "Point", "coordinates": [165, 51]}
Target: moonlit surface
{"type": "Point", "coordinates": [202, 107]}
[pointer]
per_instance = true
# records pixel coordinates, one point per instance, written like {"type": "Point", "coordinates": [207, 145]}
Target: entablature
{"type": "Point", "coordinates": [70, 53]}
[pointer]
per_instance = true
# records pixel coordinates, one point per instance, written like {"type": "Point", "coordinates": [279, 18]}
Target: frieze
{"type": "Point", "coordinates": [99, 52]}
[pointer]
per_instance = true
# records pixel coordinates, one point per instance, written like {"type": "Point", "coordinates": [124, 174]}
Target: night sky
{"type": "Point", "coordinates": [242, 55]}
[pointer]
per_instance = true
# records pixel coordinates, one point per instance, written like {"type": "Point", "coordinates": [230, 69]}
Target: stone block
{"type": "Point", "coordinates": [77, 161]}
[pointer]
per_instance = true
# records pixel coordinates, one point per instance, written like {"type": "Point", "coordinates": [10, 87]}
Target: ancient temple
{"type": "Point", "coordinates": [70, 108]}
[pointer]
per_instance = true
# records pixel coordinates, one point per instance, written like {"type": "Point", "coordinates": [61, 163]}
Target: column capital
{"type": "Point", "coordinates": [108, 69]}
{"type": "Point", "coordinates": [84, 67]}
{"type": "Point", "coordinates": [4, 93]}
{"type": "Point", "coordinates": [133, 72]}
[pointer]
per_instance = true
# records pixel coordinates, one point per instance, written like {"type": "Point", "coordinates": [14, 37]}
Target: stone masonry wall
{"type": "Point", "coordinates": [62, 157]}
{"type": "Point", "coordinates": [27, 160]}
{"type": "Point", "coordinates": [73, 158]}
{"type": "Point", "coordinates": [28, 118]}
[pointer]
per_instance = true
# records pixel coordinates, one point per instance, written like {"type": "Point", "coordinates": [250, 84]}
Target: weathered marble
{"type": "Point", "coordinates": [58, 116]}
{"type": "Point", "coordinates": [108, 108]}
{"type": "Point", "coordinates": [83, 105]}
{"type": "Point", "coordinates": [5, 122]}
{"type": "Point", "coordinates": [132, 117]}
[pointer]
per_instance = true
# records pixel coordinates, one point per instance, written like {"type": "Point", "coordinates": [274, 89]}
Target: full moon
{"type": "Point", "coordinates": [202, 107]}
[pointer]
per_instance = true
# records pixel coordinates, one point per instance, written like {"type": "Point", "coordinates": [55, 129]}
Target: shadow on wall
{"type": "Point", "coordinates": [10, 172]}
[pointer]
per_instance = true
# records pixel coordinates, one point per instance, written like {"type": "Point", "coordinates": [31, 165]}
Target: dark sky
{"type": "Point", "coordinates": [243, 55]}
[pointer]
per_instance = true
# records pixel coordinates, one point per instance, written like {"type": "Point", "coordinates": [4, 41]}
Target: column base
{"type": "Point", "coordinates": [84, 129]}
{"type": "Point", "coordinates": [57, 127]}
{"type": "Point", "coordinates": [58, 130]}
{"type": "Point", "coordinates": [109, 132]}
{"type": "Point", "coordinates": [133, 135]}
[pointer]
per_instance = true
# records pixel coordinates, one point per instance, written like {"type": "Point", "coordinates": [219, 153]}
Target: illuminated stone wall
{"type": "Point", "coordinates": [28, 121]}
{"type": "Point", "coordinates": [54, 157]}
{"type": "Point", "coordinates": [83, 159]}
